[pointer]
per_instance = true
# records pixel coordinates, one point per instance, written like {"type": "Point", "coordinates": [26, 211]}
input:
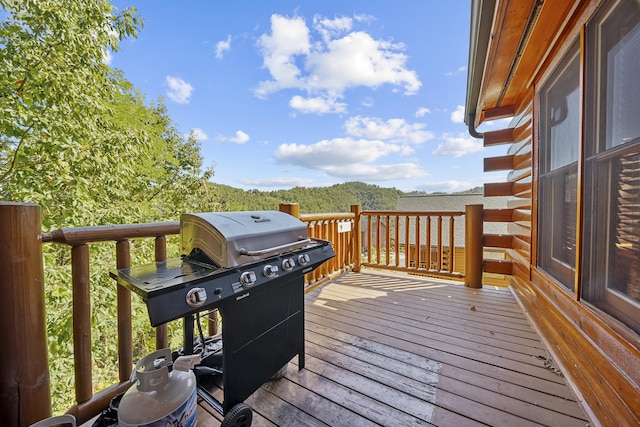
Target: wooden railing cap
{"type": "Point", "coordinates": [104, 233]}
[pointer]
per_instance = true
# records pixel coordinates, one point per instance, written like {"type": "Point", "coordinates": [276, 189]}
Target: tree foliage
{"type": "Point", "coordinates": [77, 139]}
{"type": "Point", "coordinates": [336, 198]}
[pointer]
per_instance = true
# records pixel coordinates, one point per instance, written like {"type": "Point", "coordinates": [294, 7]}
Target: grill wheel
{"type": "Point", "coordinates": [239, 416]}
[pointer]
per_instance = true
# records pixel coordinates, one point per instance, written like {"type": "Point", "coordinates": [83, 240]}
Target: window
{"type": "Point", "coordinates": [611, 250]}
{"type": "Point", "coordinates": [558, 184]}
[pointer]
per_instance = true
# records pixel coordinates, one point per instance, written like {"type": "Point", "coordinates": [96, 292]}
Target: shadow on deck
{"type": "Point", "coordinates": [391, 349]}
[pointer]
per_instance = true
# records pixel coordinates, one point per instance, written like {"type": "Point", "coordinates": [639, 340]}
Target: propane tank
{"type": "Point", "coordinates": [160, 397]}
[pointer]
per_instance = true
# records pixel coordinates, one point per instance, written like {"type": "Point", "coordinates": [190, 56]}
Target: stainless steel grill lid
{"type": "Point", "coordinates": [234, 238]}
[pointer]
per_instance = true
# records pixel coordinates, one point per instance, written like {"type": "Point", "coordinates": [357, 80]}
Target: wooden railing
{"type": "Point", "coordinates": [79, 240]}
{"type": "Point", "coordinates": [416, 242]}
{"type": "Point", "coordinates": [338, 228]}
{"type": "Point", "coordinates": [21, 271]}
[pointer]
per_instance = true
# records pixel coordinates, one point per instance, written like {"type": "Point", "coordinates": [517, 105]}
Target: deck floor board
{"type": "Point", "coordinates": [392, 349]}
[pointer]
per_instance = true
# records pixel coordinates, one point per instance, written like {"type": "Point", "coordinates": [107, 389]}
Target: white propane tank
{"type": "Point", "coordinates": [159, 397]}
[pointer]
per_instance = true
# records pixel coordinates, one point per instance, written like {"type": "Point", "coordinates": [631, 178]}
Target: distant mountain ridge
{"type": "Point", "coordinates": [336, 198]}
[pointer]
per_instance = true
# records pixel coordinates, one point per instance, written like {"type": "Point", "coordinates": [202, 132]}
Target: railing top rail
{"type": "Point", "coordinates": [414, 213]}
{"type": "Point", "coordinates": [327, 216]}
{"type": "Point", "coordinates": [106, 233]}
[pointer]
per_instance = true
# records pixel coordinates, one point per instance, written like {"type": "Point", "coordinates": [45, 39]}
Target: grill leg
{"type": "Point", "coordinates": [188, 334]}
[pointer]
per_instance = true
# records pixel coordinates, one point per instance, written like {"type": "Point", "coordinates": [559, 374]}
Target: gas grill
{"type": "Point", "coordinates": [250, 266]}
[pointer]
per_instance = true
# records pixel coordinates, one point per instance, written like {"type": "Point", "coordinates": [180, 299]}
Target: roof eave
{"type": "Point", "coordinates": [482, 12]}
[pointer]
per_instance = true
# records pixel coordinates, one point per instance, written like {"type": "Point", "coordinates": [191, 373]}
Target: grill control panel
{"type": "Point", "coordinates": [179, 287]}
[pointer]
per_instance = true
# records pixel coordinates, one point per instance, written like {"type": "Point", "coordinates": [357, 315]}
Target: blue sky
{"type": "Point", "coordinates": [300, 93]}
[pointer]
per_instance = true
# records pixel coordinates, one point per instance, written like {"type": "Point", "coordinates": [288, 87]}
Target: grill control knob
{"type": "Point", "coordinates": [248, 278]}
{"type": "Point", "coordinates": [196, 297]}
{"type": "Point", "coordinates": [288, 264]}
{"type": "Point", "coordinates": [303, 259]}
{"type": "Point", "coordinates": [270, 271]}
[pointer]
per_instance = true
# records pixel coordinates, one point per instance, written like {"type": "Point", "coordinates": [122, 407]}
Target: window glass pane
{"type": "Point", "coordinates": [558, 189]}
{"type": "Point", "coordinates": [623, 90]}
{"type": "Point", "coordinates": [564, 135]}
{"type": "Point", "coordinates": [611, 250]}
{"type": "Point", "coordinates": [625, 262]}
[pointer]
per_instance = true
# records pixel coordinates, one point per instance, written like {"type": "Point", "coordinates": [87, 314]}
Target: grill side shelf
{"type": "Point", "coordinates": [153, 279]}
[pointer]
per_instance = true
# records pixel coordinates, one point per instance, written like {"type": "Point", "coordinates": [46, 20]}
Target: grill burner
{"type": "Point", "coordinates": [250, 266]}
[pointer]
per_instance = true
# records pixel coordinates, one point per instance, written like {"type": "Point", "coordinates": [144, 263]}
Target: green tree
{"type": "Point", "coordinates": [54, 88]}
{"type": "Point", "coordinates": [76, 138]}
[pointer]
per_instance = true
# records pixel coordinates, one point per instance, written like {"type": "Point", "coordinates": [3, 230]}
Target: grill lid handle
{"type": "Point", "coordinates": [276, 249]}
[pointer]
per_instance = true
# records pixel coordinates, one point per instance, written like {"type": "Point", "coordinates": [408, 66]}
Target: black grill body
{"type": "Point", "coordinates": [261, 302]}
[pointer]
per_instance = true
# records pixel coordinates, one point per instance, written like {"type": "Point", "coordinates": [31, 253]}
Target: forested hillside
{"type": "Point", "coordinates": [337, 198]}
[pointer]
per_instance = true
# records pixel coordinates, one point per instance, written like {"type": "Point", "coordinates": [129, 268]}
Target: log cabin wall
{"type": "Point", "coordinates": [527, 40]}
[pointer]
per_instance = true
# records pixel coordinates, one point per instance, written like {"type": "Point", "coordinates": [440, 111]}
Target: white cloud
{"type": "Point", "coordinates": [335, 152]}
{"type": "Point", "coordinates": [393, 130]}
{"type": "Point", "coordinates": [447, 186]}
{"type": "Point", "coordinates": [198, 134]}
{"type": "Point", "coordinates": [422, 111]}
{"type": "Point", "coordinates": [240, 138]}
{"type": "Point", "coordinates": [179, 90]}
{"type": "Point", "coordinates": [458, 145]}
{"type": "Point", "coordinates": [222, 46]}
{"type": "Point", "coordinates": [316, 105]}
{"type": "Point", "coordinates": [347, 158]}
{"type": "Point", "coordinates": [283, 181]}
{"type": "Point", "coordinates": [378, 172]}
{"type": "Point", "coordinates": [458, 115]}
{"type": "Point", "coordinates": [359, 60]}
{"type": "Point", "coordinates": [325, 67]}
{"type": "Point", "coordinates": [289, 37]}
{"type": "Point", "coordinates": [460, 70]}
{"type": "Point", "coordinates": [331, 28]}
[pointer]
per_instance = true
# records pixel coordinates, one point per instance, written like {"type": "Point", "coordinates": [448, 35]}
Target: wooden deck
{"type": "Point", "coordinates": [391, 349]}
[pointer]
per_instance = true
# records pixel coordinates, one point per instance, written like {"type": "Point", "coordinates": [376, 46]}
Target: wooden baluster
{"type": "Point", "coordinates": [428, 242]}
{"type": "Point", "coordinates": [440, 254]}
{"type": "Point", "coordinates": [162, 338]}
{"type": "Point", "coordinates": [319, 272]}
{"type": "Point", "coordinates": [378, 241]}
{"type": "Point", "coordinates": [407, 242]}
{"type": "Point", "coordinates": [397, 236]}
{"type": "Point", "coordinates": [452, 247]}
{"type": "Point", "coordinates": [125, 340]}
{"type": "Point", "coordinates": [81, 322]}
{"type": "Point", "coordinates": [418, 243]}
{"type": "Point", "coordinates": [356, 241]}
{"type": "Point", "coordinates": [369, 238]}
{"type": "Point", "coordinates": [344, 242]}
{"type": "Point", "coordinates": [337, 260]}
{"type": "Point", "coordinates": [387, 240]}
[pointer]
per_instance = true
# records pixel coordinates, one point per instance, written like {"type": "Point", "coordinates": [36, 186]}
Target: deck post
{"type": "Point", "coordinates": [473, 232]}
{"type": "Point", "coordinates": [24, 382]}
{"type": "Point", "coordinates": [292, 209]}
{"type": "Point", "coordinates": [356, 242]}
